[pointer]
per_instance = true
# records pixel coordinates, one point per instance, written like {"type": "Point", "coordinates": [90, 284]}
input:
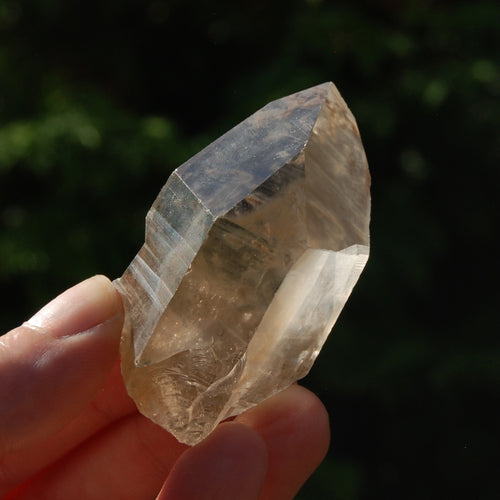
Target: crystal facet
{"type": "Point", "coordinates": [252, 249]}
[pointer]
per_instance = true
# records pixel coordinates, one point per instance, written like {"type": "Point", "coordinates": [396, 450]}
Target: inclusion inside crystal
{"type": "Point", "coordinates": [252, 249]}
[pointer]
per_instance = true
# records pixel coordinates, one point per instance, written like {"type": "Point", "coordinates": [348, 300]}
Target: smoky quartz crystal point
{"type": "Point", "coordinates": [252, 249]}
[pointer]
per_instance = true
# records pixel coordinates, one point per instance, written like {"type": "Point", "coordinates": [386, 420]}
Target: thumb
{"type": "Point", "coordinates": [52, 365]}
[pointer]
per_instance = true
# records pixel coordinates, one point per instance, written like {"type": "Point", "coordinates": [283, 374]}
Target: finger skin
{"type": "Point", "coordinates": [53, 366]}
{"type": "Point", "coordinates": [111, 404]}
{"type": "Point", "coordinates": [56, 367]}
{"type": "Point", "coordinates": [128, 461]}
{"type": "Point", "coordinates": [132, 458]}
{"type": "Point", "coordinates": [295, 427]}
{"type": "Point", "coordinates": [231, 463]}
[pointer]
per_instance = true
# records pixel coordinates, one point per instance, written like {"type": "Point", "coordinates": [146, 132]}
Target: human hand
{"type": "Point", "coordinates": [69, 430]}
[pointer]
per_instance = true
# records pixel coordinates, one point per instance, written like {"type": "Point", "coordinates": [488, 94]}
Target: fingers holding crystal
{"type": "Point", "coordinates": [292, 427]}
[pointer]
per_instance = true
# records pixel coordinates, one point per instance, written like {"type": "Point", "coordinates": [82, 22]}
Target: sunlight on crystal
{"type": "Point", "coordinates": [252, 248]}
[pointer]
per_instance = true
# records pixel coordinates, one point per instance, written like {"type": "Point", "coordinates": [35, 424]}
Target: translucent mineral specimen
{"type": "Point", "coordinates": [252, 249]}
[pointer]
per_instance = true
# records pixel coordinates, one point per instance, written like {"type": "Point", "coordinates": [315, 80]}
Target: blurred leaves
{"type": "Point", "coordinates": [99, 101]}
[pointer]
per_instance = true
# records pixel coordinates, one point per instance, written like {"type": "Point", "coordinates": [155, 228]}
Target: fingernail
{"type": "Point", "coordinates": [79, 308]}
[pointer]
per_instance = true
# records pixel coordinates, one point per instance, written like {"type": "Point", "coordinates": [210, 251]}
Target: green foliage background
{"type": "Point", "coordinates": [100, 100]}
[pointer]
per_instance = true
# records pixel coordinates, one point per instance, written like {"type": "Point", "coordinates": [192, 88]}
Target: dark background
{"type": "Point", "coordinates": [99, 100]}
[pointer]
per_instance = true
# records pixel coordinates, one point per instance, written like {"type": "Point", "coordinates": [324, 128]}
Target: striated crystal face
{"type": "Point", "coordinates": [252, 249]}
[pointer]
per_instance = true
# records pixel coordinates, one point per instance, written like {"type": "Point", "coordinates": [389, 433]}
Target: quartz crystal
{"type": "Point", "coordinates": [252, 249]}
